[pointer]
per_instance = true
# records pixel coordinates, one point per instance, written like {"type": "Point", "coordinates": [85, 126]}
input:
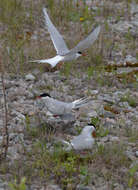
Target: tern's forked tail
{"type": "Point", "coordinates": [52, 61]}
{"type": "Point", "coordinates": [80, 102]}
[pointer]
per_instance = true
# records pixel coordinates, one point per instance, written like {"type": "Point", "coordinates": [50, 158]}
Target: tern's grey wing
{"type": "Point", "coordinates": [58, 107]}
{"type": "Point", "coordinates": [89, 40]}
{"type": "Point", "coordinates": [82, 142]}
{"type": "Point", "coordinates": [78, 142]}
{"type": "Point", "coordinates": [56, 37]}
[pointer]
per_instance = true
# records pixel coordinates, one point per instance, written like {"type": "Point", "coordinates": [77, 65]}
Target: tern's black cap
{"type": "Point", "coordinates": [92, 125]}
{"type": "Point", "coordinates": [45, 95]}
{"type": "Point", "coordinates": [79, 52]}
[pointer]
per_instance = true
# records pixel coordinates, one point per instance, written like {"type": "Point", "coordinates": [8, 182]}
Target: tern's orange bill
{"type": "Point", "coordinates": [94, 134]}
{"type": "Point", "coordinates": [84, 54]}
{"type": "Point", "coordinates": [37, 97]}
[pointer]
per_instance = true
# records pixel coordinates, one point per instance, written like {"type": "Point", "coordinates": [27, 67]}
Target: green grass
{"type": "Point", "coordinates": [66, 168]}
{"type": "Point", "coordinates": [130, 99]}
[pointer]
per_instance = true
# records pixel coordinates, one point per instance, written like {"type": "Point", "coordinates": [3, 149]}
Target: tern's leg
{"type": "Point", "coordinates": [59, 65]}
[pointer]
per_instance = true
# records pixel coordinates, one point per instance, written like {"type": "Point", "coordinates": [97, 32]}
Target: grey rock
{"type": "Point", "coordinates": [1, 139]}
{"type": "Point", "coordinates": [123, 26]}
{"type": "Point", "coordinates": [110, 121]}
{"type": "Point", "coordinates": [92, 114]}
{"type": "Point", "coordinates": [94, 8]}
{"type": "Point", "coordinates": [103, 187]}
{"type": "Point", "coordinates": [9, 84]}
{"type": "Point", "coordinates": [118, 186]}
{"type": "Point", "coordinates": [95, 104]}
{"type": "Point", "coordinates": [104, 139]}
{"type": "Point", "coordinates": [16, 138]}
{"type": "Point", "coordinates": [130, 155]}
{"type": "Point", "coordinates": [36, 72]}
{"type": "Point", "coordinates": [52, 187]}
{"type": "Point", "coordinates": [94, 92]}
{"type": "Point", "coordinates": [135, 23]}
{"type": "Point", "coordinates": [82, 187]}
{"type": "Point", "coordinates": [1, 121]}
{"type": "Point", "coordinates": [134, 8]}
{"type": "Point", "coordinates": [12, 153]}
{"type": "Point", "coordinates": [136, 153]}
{"type": "Point", "coordinates": [106, 98]}
{"type": "Point", "coordinates": [30, 77]}
{"type": "Point", "coordinates": [3, 185]}
{"type": "Point", "coordinates": [124, 105]}
{"type": "Point", "coordinates": [134, 163]}
{"type": "Point", "coordinates": [106, 114]}
{"type": "Point", "coordinates": [130, 59]}
{"type": "Point", "coordinates": [114, 139]}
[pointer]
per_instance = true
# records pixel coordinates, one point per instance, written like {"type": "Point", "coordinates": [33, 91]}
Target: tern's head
{"type": "Point", "coordinates": [89, 129]}
{"type": "Point", "coordinates": [79, 53]}
{"type": "Point", "coordinates": [44, 95]}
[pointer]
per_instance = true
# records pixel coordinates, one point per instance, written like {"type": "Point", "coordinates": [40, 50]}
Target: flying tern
{"type": "Point", "coordinates": [83, 141]}
{"type": "Point", "coordinates": [59, 108]}
{"type": "Point", "coordinates": [63, 53]}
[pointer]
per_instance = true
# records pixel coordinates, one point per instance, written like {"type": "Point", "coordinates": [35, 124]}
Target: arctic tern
{"type": "Point", "coordinates": [83, 141]}
{"type": "Point", "coordinates": [63, 53]}
{"type": "Point", "coordinates": [59, 108]}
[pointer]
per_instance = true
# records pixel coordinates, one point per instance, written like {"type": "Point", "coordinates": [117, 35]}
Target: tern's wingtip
{"type": "Point", "coordinates": [98, 28]}
{"type": "Point", "coordinates": [44, 9]}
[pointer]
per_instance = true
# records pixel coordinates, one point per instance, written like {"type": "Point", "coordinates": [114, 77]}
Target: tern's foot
{"type": "Point", "coordinates": [59, 65]}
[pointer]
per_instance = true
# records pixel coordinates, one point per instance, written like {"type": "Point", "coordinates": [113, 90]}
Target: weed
{"type": "Point", "coordinates": [95, 121]}
{"type": "Point", "coordinates": [21, 186]}
{"type": "Point", "coordinates": [128, 98]}
{"type": "Point", "coordinates": [101, 132]}
{"type": "Point", "coordinates": [132, 172]}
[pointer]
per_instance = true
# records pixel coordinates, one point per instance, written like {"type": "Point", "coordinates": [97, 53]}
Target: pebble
{"type": "Point", "coordinates": [118, 186]}
{"type": "Point", "coordinates": [29, 77]}
{"type": "Point", "coordinates": [81, 187]}
{"type": "Point", "coordinates": [52, 187]}
{"type": "Point", "coordinates": [130, 59]}
{"type": "Point", "coordinates": [114, 139]}
{"type": "Point", "coordinates": [136, 153]}
{"type": "Point", "coordinates": [130, 155]}
{"type": "Point", "coordinates": [92, 114]}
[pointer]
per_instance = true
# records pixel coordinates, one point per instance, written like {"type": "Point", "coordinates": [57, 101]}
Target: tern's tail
{"type": "Point", "coordinates": [80, 103]}
{"type": "Point", "coordinates": [52, 61]}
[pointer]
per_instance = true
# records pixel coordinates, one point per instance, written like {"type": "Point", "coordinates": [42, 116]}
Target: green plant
{"type": "Point", "coordinates": [90, 71]}
{"type": "Point", "coordinates": [132, 172]}
{"type": "Point", "coordinates": [128, 98]}
{"type": "Point", "coordinates": [95, 121]}
{"type": "Point", "coordinates": [101, 149]}
{"type": "Point", "coordinates": [84, 172]}
{"type": "Point", "coordinates": [21, 186]}
{"type": "Point", "coordinates": [101, 132]}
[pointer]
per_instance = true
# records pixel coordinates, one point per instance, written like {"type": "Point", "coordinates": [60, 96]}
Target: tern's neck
{"type": "Point", "coordinates": [78, 55]}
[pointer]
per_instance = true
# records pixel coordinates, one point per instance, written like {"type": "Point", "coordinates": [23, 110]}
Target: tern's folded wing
{"type": "Point", "coordinates": [56, 37]}
{"type": "Point", "coordinates": [58, 107]}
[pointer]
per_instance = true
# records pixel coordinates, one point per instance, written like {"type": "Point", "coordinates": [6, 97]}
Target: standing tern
{"type": "Point", "coordinates": [83, 141]}
{"type": "Point", "coordinates": [63, 53]}
{"type": "Point", "coordinates": [59, 108]}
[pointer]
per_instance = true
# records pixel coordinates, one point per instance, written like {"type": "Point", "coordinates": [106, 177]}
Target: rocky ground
{"type": "Point", "coordinates": [33, 133]}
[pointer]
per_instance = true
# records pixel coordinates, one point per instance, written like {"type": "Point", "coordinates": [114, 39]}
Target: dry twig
{"type": "Point", "coordinates": [5, 133]}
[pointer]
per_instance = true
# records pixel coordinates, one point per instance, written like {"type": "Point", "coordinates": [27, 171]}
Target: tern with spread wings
{"type": "Point", "coordinates": [63, 53]}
